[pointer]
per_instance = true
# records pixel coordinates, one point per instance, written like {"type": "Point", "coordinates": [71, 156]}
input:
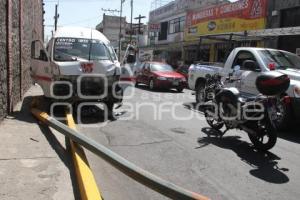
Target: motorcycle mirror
{"type": "Point", "coordinates": [236, 68]}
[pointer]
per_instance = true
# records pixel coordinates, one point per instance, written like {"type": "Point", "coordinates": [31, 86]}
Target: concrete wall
{"type": "Point", "coordinates": [21, 21]}
{"type": "Point", "coordinates": [3, 60]}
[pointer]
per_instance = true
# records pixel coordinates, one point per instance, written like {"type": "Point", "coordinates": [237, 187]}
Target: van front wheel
{"type": "Point", "coordinates": [110, 110]}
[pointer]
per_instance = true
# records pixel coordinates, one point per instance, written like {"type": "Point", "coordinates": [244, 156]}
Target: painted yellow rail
{"type": "Point", "coordinates": [86, 181]}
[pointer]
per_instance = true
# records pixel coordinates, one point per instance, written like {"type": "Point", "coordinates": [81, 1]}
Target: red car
{"type": "Point", "coordinates": [160, 75]}
{"type": "Point", "coordinates": [184, 70]}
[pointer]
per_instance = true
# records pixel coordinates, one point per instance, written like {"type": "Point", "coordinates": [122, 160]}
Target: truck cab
{"type": "Point", "coordinates": [78, 64]}
{"type": "Point", "coordinates": [251, 62]}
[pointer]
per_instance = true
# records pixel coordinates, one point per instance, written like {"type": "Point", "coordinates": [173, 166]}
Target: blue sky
{"type": "Point", "coordinates": [88, 13]}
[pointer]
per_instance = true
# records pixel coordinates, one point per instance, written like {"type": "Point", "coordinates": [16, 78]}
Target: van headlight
{"type": "Point", "coordinates": [297, 91]}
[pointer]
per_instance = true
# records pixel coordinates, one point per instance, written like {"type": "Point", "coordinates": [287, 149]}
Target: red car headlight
{"type": "Point", "coordinates": [161, 78]}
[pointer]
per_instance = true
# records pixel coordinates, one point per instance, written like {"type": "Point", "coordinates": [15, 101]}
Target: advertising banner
{"type": "Point", "coordinates": [226, 18]}
{"type": "Point", "coordinates": [154, 27]}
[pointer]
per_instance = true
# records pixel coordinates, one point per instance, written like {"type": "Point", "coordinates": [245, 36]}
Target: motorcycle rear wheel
{"type": "Point", "coordinates": [266, 130]}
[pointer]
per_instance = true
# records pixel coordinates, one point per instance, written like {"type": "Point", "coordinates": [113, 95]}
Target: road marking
{"type": "Point", "coordinates": [86, 181]}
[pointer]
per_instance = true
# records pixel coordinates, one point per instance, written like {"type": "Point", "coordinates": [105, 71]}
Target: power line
{"type": "Point", "coordinates": [80, 21]}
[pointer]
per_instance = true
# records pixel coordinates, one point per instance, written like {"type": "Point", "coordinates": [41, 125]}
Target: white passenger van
{"type": "Point", "coordinates": [79, 64]}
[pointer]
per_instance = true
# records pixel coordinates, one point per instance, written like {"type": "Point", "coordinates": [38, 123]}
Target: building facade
{"type": "Point", "coordinates": [284, 14]}
{"type": "Point", "coordinates": [167, 27]}
{"type": "Point", "coordinates": [20, 23]}
{"type": "Point", "coordinates": [110, 27]}
{"type": "Point", "coordinates": [213, 31]}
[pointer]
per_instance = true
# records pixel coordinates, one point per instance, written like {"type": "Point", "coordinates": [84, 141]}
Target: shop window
{"type": "Point", "coordinates": [177, 25]}
{"type": "Point", "coordinates": [163, 35]}
{"type": "Point", "coordinates": [153, 34]}
{"type": "Point", "coordinates": [290, 17]}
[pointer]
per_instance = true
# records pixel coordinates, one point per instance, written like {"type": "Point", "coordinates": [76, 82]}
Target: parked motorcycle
{"type": "Point", "coordinates": [256, 115]}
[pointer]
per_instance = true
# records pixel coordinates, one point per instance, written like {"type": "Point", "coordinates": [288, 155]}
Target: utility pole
{"type": "Point", "coordinates": [120, 33]}
{"type": "Point", "coordinates": [56, 17]}
{"type": "Point", "coordinates": [139, 25]}
{"type": "Point", "coordinates": [131, 31]}
{"type": "Point", "coordinates": [140, 17]}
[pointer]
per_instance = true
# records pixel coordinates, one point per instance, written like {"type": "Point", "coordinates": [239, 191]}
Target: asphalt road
{"type": "Point", "coordinates": [160, 132]}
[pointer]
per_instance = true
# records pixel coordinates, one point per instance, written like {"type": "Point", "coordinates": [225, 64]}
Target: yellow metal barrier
{"type": "Point", "coordinates": [87, 184]}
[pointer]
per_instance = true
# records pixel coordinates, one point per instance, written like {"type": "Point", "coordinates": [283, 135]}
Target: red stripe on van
{"type": "Point", "coordinates": [43, 78]}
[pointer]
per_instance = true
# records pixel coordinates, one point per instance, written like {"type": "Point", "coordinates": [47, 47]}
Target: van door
{"type": "Point", "coordinates": [40, 66]}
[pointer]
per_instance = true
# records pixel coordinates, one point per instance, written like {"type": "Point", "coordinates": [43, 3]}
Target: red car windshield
{"type": "Point", "coordinates": [161, 68]}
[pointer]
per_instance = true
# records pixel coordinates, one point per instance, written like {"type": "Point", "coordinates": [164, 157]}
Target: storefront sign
{"type": "Point", "coordinates": [154, 27]}
{"type": "Point", "coordinates": [226, 18]}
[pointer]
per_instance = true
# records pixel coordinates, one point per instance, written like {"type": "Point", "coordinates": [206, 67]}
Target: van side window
{"type": "Point", "coordinates": [38, 52]}
{"type": "Point", "coordinates": [241, 57]}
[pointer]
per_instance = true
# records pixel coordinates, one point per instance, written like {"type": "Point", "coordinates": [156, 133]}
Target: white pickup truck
{"type": "Point", "coordinates": [258, 60]}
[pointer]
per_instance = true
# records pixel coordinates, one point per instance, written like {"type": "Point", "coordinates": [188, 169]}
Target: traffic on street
{"type": "Point", "coordinates": [160, 99]}
{"type": "Point", "coordinates": [163, 132]}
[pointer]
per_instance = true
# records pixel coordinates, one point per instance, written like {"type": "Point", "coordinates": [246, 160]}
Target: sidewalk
{"type": "Point", "coordinates": [33, 161]}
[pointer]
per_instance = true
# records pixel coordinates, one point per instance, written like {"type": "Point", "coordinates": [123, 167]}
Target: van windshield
{"type": "Point", "coordinates": [72, 49]}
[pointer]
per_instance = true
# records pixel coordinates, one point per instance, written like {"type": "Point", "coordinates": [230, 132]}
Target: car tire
{"type": "Point", "coordinates": [110, 110]}
{"type": "Point", "coordinates": [151, 84]}
{"type": "Point", "coordinates": [179, 89]}
{"type": "Point", "coordinates": [200, 97]}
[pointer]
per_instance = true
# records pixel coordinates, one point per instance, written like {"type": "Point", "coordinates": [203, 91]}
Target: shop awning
{"type": "Point", "coordinates": [276, 32]}
{"type": "Point", "coordinates": [171, 47]}
{"type": "Point", "coordinates": [254, 35]}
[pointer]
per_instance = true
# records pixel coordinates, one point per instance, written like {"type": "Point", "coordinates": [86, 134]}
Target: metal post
{"type": "Point", "coordinates": [120, 33]}
{"type": "Point", "coordinates": [199, 55]}
{"type": "Point", "coordinates": [140, 17]}
{"type": "Point", "coordinates": [56, 17]}
{"type": "Point", "coordinates": [131, 4]}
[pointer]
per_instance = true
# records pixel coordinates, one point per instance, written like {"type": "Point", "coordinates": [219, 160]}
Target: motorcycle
{"type": "Point", "coordinates": [256, 116]}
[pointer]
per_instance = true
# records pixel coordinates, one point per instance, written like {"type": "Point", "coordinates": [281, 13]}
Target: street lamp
{"type": "Point", "coordinates": [120, 33]}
